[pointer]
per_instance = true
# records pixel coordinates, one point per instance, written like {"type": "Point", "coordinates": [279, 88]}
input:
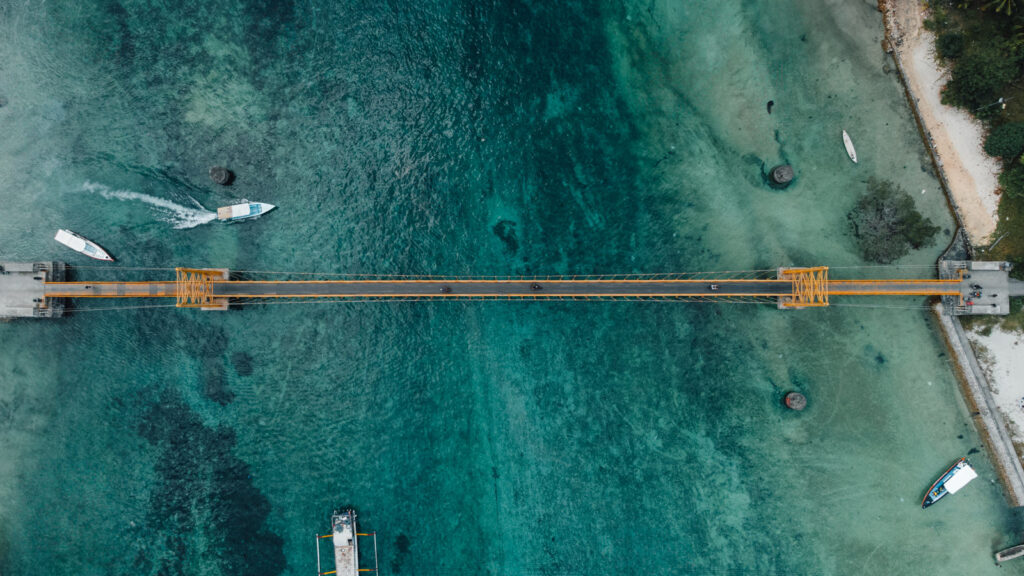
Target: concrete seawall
{"type": "Point", "coordinates": [986, 416]}
{"type": "Point", "coordinates": [973, 384]}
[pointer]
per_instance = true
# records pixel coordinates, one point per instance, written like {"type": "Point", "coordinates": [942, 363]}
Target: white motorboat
{"type": "Point", "coordinates": [82, 245]}
{"type": "Point", "coordinates": [247, 211]}
{"type": "Point", "coordinates": [849, 147]}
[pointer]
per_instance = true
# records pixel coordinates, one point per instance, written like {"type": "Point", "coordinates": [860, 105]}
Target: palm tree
{"type": "Point", "coordinates": [1003, 6]}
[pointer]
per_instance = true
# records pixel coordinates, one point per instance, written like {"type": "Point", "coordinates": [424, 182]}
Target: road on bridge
{"type": "Point", "coordinates": [483, 288]}
{"type": "Point", "coordinates": [479, 288]}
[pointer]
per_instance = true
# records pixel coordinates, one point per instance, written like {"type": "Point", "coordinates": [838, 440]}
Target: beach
{"type": "Point", "coordinates": [1001, 354]}
{"type": "Point", "coordinates": [954, 134]}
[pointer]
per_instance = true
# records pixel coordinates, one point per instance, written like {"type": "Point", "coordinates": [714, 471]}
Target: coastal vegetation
{"type": "Point", "coordinates": [982, 43]}
{"type": "Point", "coordinates": [887, 225]}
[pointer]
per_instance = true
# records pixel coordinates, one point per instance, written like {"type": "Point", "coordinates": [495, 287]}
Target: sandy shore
{"type": "Point", "coordinates": [1001, 355]}
{"type": "Point", "coordinates": [956, 136]}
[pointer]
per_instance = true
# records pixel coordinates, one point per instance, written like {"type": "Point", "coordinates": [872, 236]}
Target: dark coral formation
{"type": "Point", "coordinates": [204, 510]}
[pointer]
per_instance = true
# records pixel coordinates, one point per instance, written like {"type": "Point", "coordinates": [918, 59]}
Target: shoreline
{"type": "Point", "coordinates": [969, 208]}
{"type": "Point", "coordinates": [984, 411]}
{"type": "Point", "coordinates": [953, 138]}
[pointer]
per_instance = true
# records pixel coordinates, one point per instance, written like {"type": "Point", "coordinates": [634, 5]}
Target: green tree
{"type": "Point", "coordinates": [979, 77]}
{"type": "Point", "coordinates": [886, 224]}
{"type": "Point", "coordinates": [1012, 181]}
{"type": "Point", "coordinates": [1002, 6]}
{"type": "Point", "coordinates": [950, 45]}
{"type": "Point", "coordinates": [1006, 140]}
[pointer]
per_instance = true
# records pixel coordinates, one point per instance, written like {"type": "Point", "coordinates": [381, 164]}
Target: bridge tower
{"type": "Point", "coordinates": [194, 288]}
{"type": "Point", "coordinates": [810, 287]}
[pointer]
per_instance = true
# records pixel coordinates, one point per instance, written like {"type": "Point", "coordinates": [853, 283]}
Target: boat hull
{"type": "Point", "coordinates": [955, 477]}
{"type": "Point", "coordinates": [82, 245]}
{"type": "Point", "coordinates": [246, 211]}
{"type": "Point", "coordinates": [1010, 553]}
{"type": "Point", "coordinates": [346, 545]}
{"type": "Point", "coordinates": [850, 150]}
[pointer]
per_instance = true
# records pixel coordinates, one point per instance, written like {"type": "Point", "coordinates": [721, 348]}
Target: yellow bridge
{"type": "Point", "coordinates": [789, 288]}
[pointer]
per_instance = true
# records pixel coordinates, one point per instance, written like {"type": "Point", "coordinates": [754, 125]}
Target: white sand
{"type": "Point", "coordinates": [1001, 355]}
{"type": "Point", "coordinates": [956, 135]}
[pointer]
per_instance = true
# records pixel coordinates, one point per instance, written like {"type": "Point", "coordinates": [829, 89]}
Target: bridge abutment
{"type": "Point", "coordinates": [22, 286]}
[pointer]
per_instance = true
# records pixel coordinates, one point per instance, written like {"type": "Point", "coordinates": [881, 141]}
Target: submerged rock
{"type": "Point", "coordinates": [222, 175]}
{"type": "Point", "coordinates": [796, 401]}
{"type": "Point", "coordinates": [781, 176]}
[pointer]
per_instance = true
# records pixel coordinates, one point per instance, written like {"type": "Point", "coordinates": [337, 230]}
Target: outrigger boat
{"type": "Point", "coordinates": [82, 245]}
{"type": "Point", "coordinates": [239, 212]}
{"type": "Point", "coordinates": [849, 147]}
{"type": "Point", "coordinates": [345, 542]}
{"type": "Point", "coordinates": [951, 481]}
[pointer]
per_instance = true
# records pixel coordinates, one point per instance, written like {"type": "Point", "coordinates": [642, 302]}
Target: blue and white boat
{"type": "Point", "coordinates": [951, 481]}
{"type": "Point", "coordinates": [247, 211]}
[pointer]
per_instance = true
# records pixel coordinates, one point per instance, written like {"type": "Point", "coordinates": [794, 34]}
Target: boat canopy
{"type": "Point", "coordinates": [243, 211]}
{"type": "Point", "coordinates": [960, 479]}
{"type": "Point", "coordinates": [73, 241]}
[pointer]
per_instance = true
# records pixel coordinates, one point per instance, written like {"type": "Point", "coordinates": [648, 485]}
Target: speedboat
{"type": "Point", "coordinates": [951, 481]}
{"type": "Point", "coordinates": [82, 245]}
{"type": "Point", "coordinates": [849, 147]}
{"type": "Point", "coordinates": [247, 211]}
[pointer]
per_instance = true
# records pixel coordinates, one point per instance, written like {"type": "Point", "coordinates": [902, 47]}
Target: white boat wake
{"type": "Point", "coordinates": [182, 217]}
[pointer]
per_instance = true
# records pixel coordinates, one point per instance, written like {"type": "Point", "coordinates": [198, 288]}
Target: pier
{"type": "Point", "coordinates": [23, 289]}
{"type": "Point", "coordinates": [965, 287]}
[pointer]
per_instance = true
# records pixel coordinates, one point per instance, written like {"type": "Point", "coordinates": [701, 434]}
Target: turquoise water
{"type": "Point", "coordinates": [500, 438]}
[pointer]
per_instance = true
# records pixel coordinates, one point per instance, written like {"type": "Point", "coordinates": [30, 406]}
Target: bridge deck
{"type": "Point", "coordinates": [166, 289]}
{"type": "Point", "coordinates": [479, 288]}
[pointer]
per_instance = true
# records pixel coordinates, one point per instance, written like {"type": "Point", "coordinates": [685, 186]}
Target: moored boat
{"type": "Point", "coordinates": [1010, 553]}
{"type": "Point", "coordinates": [238, 212]}
{"type": "Point", "coordinates": [346, 545]}
{"type": "Point", "coordinates": [951, 481]}
{"type": "Point", "coordinates": [344, 538]}
{"type": "Point", "coordinates": [849, 147]}
{"type": "Point", "coordinates": [82, 245]}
